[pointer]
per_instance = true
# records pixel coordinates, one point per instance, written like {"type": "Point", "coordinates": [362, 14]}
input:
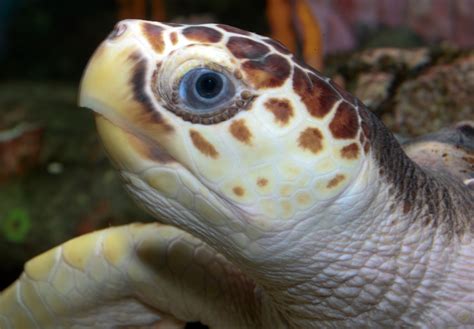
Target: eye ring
{"type": "Point", "coordinates": [224, 98]}
{"type": "Point", "coordinates": [202, 90]}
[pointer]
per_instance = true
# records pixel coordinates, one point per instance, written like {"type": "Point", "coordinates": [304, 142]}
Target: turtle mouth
{"type": "Point", "coordinates": [159, 175]}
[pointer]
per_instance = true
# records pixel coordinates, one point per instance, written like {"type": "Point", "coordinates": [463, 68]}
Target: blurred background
{"type": "Point", "coordinates": [410, 61]}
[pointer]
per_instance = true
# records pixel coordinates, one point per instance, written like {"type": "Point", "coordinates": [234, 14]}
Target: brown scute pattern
{"type": "Point", "coordinates": [262, 182]}
{"type": "Point", "coordinates": [174, 38]}
{"type": "Point", "coordinates": [281, 109]}
{"type": "Point", "coordinates": [345, 123]}
{"type": "Point", "coordinates": [277, 45]}
{"type": "Point", "coordinates": [138, 83]}
{"type": "Point", "coordinates": [246, 48]}
{"type": "Point", "coordinates": [154, 35]}
{"type": "Point", "coordinates": [315, 93]}
{"type": "Point", "coordinates": [239, 130]}
{"type": "Point", "coordinates": [238, 190]}
{"type": "Point", "coordinates": [350, 151]}
{"type": "Point", "coordinates": [335, 181]}
{"type": "Point", "coordinates": [232, 29]}
{"type": "Point", "coordinates": [311, 139]}
{"type": "Point", "coordinates": [202, 34]}
{"type": "Point", "coordinates": [203, 145]}
{"type": "Point", "coordinates": [270, 72]}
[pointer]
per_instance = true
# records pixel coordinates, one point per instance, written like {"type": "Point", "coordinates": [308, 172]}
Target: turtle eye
{"type": "Point", "coordinates": [203, 90]}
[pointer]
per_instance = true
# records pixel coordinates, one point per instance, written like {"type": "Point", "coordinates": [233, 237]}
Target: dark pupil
{"type": "Point", "coordinates": [209, 85]}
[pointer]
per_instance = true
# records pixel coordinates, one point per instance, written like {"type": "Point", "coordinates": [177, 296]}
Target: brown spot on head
{"type": "Point", "coordinates": [315, 93]}
{"type": "Point", "coordinates": [350, 151]}
{"type": "Point", "coordinates": [202, 34]}
{"type": "Point", "coordinates": [232, 29]}
{"type": "Point", "coordinates": [406, 206]}
{"type": "Point", "coordinates": [238, 190]}
{"type": "Point", "coordinates": [311, 139]}
{"type": "Point", "coordinates": [277, 45]}
{"type": "Point", "coordinates": [203, 145]}
{"type": "Point", "coordinates": [154, 35]}
{"type": "Point", "coordinates": [303, 198]}
{"type": "Point", "coordinates": [174, 37]}
{"type": "Point", "coordinates": [345, 123]}
{"type": "Point", "coordinates": [246, 48]}
{"type": "Point", "coordinates": [138, 83]}
{"type": "Point", "coordinates": [335, 181]}
{"type": "Point", "coordinates": [239, 130]}
{"type": "Point", "coordinates": [281, 109]}
{"type": "Point", "coordinates": [262, 182]}
{"type": "Point", "coordinates": [267, 73]}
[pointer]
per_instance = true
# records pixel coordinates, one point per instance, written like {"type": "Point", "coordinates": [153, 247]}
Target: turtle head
{"type": "Point", "coordinates": [222, 131]}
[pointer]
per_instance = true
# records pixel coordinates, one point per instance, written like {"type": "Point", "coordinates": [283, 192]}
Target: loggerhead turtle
{"type": "Point", "coordinates": [289, 204]}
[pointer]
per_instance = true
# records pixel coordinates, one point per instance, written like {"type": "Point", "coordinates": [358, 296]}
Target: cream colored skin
{"type": "Point", "coordinates": [298, 252]}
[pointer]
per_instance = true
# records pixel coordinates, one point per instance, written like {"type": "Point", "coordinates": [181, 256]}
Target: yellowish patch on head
{"type": "Point", "coordinates": [287, 209]}
{"type": "Point", "coordinates": [303, 199]}
{"type": "Point", "coordinates": [289, 170]}
{"type": "Point", "coordinates": [325, 165]}
{"type": "Point", "coordinates": [203, 145]}
{"type": "Point", "coordinates": [164, 181]}
{"type": "Point", "coordinates": [286, 190]}
{"type": "Point", "coordinates": [269, 208]}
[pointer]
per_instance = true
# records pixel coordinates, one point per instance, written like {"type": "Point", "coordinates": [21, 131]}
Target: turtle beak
{"type": "Point", "coordinates": [107, 89]}
{"type": "Point", "coordinates": [105, 86]}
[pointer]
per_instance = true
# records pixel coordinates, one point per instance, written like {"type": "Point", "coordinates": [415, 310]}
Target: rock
{"type": "Point", "coordinates": [414, 91]}
{"type": "Point", "coordinates": [441, 95]}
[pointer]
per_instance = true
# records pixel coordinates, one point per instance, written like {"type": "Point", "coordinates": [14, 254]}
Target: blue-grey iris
{"type": "Point", "coordinates": [205, 90]}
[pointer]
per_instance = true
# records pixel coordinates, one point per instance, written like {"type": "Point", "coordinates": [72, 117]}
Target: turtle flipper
{"type": "Point", "coordinates": [134, 275]}
{"type": "Point", "coordinates": [450, 150]}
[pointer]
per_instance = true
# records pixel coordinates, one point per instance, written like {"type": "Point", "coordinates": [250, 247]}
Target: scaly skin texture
{"type": "Point", "coordinates": [301, 190]}
{"type": "Point", "coordinates": [139, 275]}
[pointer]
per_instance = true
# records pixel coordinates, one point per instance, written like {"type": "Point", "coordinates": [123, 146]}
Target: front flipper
{"type": "Point", "coordinates": [134, 275]}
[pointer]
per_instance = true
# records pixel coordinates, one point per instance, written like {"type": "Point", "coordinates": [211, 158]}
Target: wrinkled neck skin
{"type": "Point", "coordinates": [375, 257]}
{"type": "Point", "coordinates": [391, 248]}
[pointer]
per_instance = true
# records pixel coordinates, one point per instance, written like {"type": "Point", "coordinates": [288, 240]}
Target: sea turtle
{"type": "Point", "coordinates": [287, 204]}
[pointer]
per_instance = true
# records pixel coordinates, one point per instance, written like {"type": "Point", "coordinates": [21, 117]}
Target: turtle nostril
{"type": "Point", "coordinates": [118, 30]}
